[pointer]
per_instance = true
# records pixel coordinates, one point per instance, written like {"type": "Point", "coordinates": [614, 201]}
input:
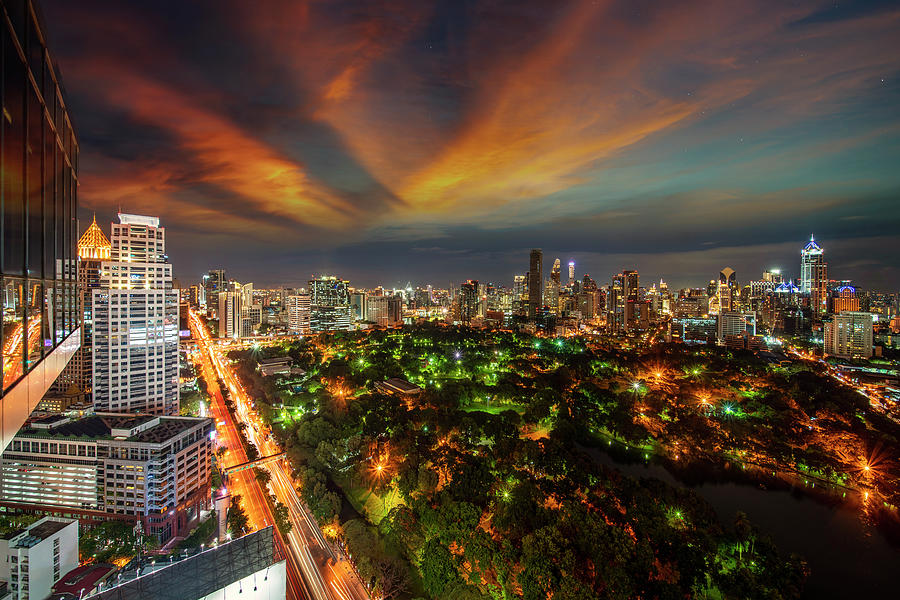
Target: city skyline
{"type": "Point", "coordinates": [621, 138]}
{"type": "Point", "coordinates": [676, 282]}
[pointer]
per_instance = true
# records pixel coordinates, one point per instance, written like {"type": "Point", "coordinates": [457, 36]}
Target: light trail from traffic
{"type": "Point", "coordinates": [243, 483]}
{"type": "Point", "coordinates": [321, 581]}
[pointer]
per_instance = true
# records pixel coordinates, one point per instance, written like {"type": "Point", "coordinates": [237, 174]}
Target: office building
{"type": "Point", "coordinates": [384, 311]}
{"type": "Point", "coordinates": [845, 300]}
{"type": "Point", "coordinates": [734, 323]}
{"type": "Point", "coordinates": [849, 335]}
{"type": "Point", "coordinates": [571, 283]}
{"type": "Point", "coordinates": [38, 181]}
{"type": "Point", "coordinates": [635, 313]}
{"type": "Point", "coordinates": [726, 291]}
{"type": "Point", "coordinates": [140, 468]}
{"type": "Point", "coordinates": [615, 304]}
{"type": "Point", "coordinates": [213, 283]}
{"type": "Point", "coordinates": [551, 294]}
{"type": "Point", "coordinates": [358, 306]}
{"type": "Point", "coordinates": [814, 276]}
{"type": "Point", "coordinates": [535, 283]}
{"type": "Point", "coordinates": [238, 316]}
{"type": "Point", "coordinates": [329, 309]}
{"type": "Point", "coordinates": [135, 323]}
{"type": "Point", "coordinates": [695, 330]}
{"type": "Point", "coordinates": [469, 296]}
{"type": "Point", "coordinates": [34, 558]}
{"type": "Point", "coordinates": [93, 248]}
{"type": "Point", "coordinates": [298, 313]}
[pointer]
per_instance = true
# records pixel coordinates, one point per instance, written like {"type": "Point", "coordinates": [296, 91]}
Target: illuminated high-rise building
{"type": "Point", "coordinates": [384, 311]}
{"type": "Point", "coordinates": [726, 291]}
{"type": "Point", "coordinates": [298, 313]}
{"type": "Point", "coordinates": [234, 300]}
{"type": "Point", "coordinates": [213, 283]}
{"type": "Point", "coordinates": [329, 299]}
{"type": "Point", "coordinates": [535, 283]}
{"type": "Point", "coordinates": [38, 183]}
{"type": "Point", "coordinates": [849, 335]}
{"type": "Point", "coordinates": [551, 295]}
{"type": "Point", "coordinates": [469, 297]}
{"type": "Point", "coordinates": [93, 249]}
{"type": "Point", "coordinates": [814, 276]}
{"type": "Point", "coordinates": [845, 299]}
{"type": "Point", "coordinates": [135, 322]}
{"type": "Point", "coordinates": [631, 292]}
{"type": "Point", "coordinates": [571, 273]}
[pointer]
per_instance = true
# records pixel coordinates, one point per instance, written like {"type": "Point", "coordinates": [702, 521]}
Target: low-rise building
{"type": "Point", "coordinates": [34, 558]}
{"type": "Point", "coordinates": [142, 468]}
{"type": "Point", "coordinates": [398, 386]}
{"type": "Point", "coordinates": [84, 581]}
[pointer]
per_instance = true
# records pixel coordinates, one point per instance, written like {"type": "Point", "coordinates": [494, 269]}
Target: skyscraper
{"type": "Point", "coordinates": [298, 313]}
{"type": "Point", "coordinates": [468, 301]}
{"type": "Point", "coordinates": [329, 299]}
{"type": "Point", "coordinates": [38, 181]}
{"type": "Point", "coordinates": [551, 296]}
{"type": "Point", "coordinates": [535, 283]}
{"type": "Point", "coordinates": [213, 283]}
{"type": "Point", "coordinates": [814, 276]}
{"type": "Point", "coordinates": [135, 311]}
{"type": "Point", "coordinates": [93, 249]}
{"type": "Point", "coordinates": [231, 306]}
{"type": "Point", "coordinates": [725, 292]}
{"type": "Point", "coordinates": [631, 293]}
{"type": "Point", "coordinates": [571, 273]}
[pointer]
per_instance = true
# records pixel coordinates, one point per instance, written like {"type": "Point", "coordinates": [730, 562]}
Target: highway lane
{"type": "Point", "coordinates": [242, 483]}
{"type": "Point", "coordinates": [314, 555]}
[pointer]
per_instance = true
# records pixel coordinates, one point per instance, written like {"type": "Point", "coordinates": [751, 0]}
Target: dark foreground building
{"type": "Point", "coordinates": [39, 156]}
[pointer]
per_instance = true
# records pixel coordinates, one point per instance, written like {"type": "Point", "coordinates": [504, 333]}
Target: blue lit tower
{"type": "Point", "coordinates": [814, 275]}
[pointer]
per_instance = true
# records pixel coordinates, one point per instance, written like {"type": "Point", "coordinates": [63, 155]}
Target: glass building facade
{"type": "Point", "coordinates": [39, 156]}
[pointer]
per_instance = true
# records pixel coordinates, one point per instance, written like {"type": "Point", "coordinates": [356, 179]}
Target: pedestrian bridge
{"type": "Point", "coordinates": [253, 463]}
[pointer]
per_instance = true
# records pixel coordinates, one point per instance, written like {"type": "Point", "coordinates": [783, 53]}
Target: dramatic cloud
{"type": "Point", "coordinates": [410, 140]}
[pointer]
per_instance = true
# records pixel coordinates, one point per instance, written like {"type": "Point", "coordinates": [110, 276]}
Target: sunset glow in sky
{"type": "Point", "coordinates": [409, 140]}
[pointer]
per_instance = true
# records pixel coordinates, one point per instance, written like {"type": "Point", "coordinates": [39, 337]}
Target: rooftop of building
{"type": "Point", "coordinates": [83, 579]}
{"type": "Point", "coordinates": [36, 532]}
{"type": "Point", "coordinates": [401, 385]}
{"type": "Point", "coordinates": [205, 573]}
{"type": "Point", "coordinates": [278, 360]}
{"type": "Point", "coordinates": [152, 429]}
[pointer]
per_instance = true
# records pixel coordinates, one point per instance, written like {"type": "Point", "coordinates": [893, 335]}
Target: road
{"type": "Point", "coordinates": [243, 483]}
{"type": "Point", "coordinates": [326, 574]}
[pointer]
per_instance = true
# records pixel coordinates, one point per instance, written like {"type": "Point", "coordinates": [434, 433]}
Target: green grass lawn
{"type": "Point", "coordinates": [374, 506]}
{"type": "Point", "coordinates": [495, 408]}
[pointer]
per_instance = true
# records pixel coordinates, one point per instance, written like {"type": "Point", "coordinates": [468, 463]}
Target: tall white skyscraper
{"type": "Point", "coordinates": [298, 313]}
{"type": "Point", "coordinates": [135, 310]}
{"type": "Point", "coordinates": [814, 275]}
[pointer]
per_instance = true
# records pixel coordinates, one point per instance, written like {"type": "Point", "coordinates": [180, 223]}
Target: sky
{"type": "Point", "coordinates": [403, 140]}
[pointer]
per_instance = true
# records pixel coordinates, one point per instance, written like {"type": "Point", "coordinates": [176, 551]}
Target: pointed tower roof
{"type": "Point", "coordinates": [812, 246]}
{"type": "Point", "coordinates": [93, 243]}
